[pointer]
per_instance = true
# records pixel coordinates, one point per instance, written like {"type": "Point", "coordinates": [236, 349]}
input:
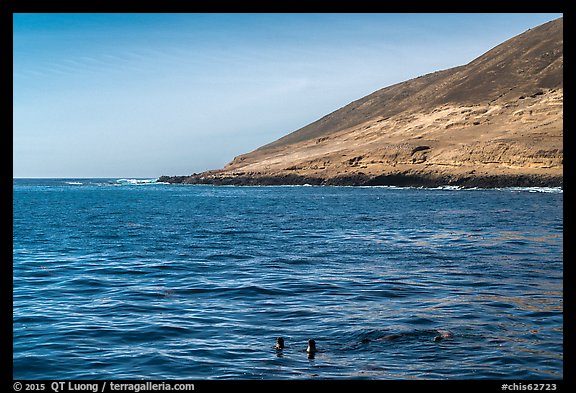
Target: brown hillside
{"type": "Point", "coordinates": [520, 66]}
{"type": "Point", "coordinates": [499, 115]}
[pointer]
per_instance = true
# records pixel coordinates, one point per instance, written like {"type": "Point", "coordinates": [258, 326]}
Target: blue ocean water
{"type": "Point", "coordinates": [117, 279]}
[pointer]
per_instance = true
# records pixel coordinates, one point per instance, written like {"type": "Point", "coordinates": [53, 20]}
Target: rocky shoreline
{"type": "Point", "coordinates": [399, 180]}
{"type": "Point", "coordinates": [495, 122]}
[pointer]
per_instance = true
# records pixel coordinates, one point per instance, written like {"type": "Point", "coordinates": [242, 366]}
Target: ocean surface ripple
{"type": "Point", "coordinates": [130, 279]}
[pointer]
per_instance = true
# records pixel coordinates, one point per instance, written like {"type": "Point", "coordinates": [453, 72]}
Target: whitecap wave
{"type": "Point", "coordinates": [448, 188]}
{"type": "Point", "coordinates": [135, 182]}
{"type": "Point", "coordinates": [551, 190]}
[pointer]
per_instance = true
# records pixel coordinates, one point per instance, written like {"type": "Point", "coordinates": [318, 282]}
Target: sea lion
{"type": "Point", "coordinates": [311, 346]}
{"type": "Point", "coordinates": [439, 335]}
{"type": "Point", "coordinates": [279, 343]}
{"type": "Point", "coordinates": [311, 349]}
{"type": "Point", "coordinates": [388, 337]}
{"type": "Point", "coordinates": [442, 334]}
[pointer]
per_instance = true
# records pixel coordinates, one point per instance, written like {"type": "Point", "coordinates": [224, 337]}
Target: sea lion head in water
{"type": "Point", "coordinates": [311, 346]}
{"type": "Point", "coordinates": [279, 343]}
{"type": "Point", "coordinates": [311, 349]}
{"type": "Point", "coordinates": [442, 334]}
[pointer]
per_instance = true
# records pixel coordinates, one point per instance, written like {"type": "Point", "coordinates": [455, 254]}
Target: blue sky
{"type": "Point", "coordinates": [142, 95]}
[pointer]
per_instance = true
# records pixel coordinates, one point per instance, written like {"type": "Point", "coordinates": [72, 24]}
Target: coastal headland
{"type": "Point", "coordinates": [494, 122]}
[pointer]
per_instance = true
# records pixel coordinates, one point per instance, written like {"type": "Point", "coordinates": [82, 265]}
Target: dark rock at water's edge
{"type": "Point", "coordinates": [399, 180]}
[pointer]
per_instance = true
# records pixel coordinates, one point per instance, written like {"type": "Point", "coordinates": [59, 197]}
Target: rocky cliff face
{"type": "Point", "coordinates": [497, 118]}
